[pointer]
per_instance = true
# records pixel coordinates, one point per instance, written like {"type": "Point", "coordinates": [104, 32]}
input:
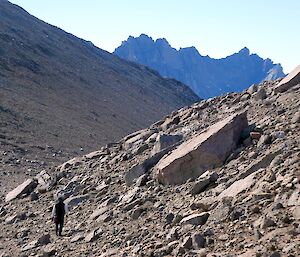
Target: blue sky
{"type": "Point", "coordinates": [216, 28]}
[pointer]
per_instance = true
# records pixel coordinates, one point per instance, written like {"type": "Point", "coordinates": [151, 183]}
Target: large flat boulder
{"type": "Point", "coordinates": [205, 151]}
{"type": "Point", "coordinates": [25, 188]}
{"type": "Point", "coordinates": [292, 79]}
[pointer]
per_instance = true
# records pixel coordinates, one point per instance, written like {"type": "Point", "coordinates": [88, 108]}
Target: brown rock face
{"type": "Point", "coordinates": [289, 81]}
{"type": "Point", "coordinates": [205, 151]}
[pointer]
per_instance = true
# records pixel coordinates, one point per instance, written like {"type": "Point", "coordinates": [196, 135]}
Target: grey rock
{"type": "Point", "coordinates": [25, 188]}
{"type": "Point", "coordinates": [75, 200]}
{"type": "Point", "coordinates": [267, 222]}
{"type": "Point", "coordinates": [136, 213]}
{"type": "Point", "coordinates": [187, 243]}
{"type": "Point", "coordinates": [164, 141]}
{"type": "Point", "coordinates": [169, 218]}
{"type": "Point", "coordinates": [260, 94]}
{"type": "Point", "coordinates": [44, 239]}
{"type": "Point", "coordinates": [77, 238]}
{"type": "Point", "coordinates": [142, 180]}
{"type": "Point", "coordinates": [198, 241]}
{"type": "Point", "coordinates": [93, 235]}
{"type": "Point", "coordinates": [264, 140]}
{"type": "Point", "coordinates": [34, 196]}
{"type": "Point", "coordinates": [172, 234]}
{"type": "Point", "coordinates": [98, 212]}
{"type": "Point", "coordinates": [203, 182]}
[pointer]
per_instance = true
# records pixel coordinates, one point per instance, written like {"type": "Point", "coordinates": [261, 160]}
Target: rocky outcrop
{"type": "Point", "coordinates": [205, 151]}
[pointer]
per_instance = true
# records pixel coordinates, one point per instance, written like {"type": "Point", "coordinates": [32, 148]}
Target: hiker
{"type": "Point", "coordinates": [58, 214]}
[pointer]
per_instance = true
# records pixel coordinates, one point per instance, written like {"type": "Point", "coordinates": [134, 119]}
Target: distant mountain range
{"type": "Point", "coordinates": [206, 76]}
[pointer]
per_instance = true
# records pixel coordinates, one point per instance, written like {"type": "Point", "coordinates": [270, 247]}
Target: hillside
{"type": "Point", "coordinates": [206, 76]}
{"type": "Point", "coordinates": [217, 178]}
{"type": "Point", "coordinates": [60, 94]}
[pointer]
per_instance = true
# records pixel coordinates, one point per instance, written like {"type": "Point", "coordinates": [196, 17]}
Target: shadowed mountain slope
{"type": "Point", "coordinates": [62, 91]}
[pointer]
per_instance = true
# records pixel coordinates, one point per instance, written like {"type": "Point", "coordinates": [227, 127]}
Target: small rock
{"type": "Point", "coordinates": [255, 135]}
{"type": "Point", "coordinates": [296, 118]}
{"type": "Point", "coordinates": [49, 250]}
{"type": "Point", "coordinates": [93, 235]}
{"type": "Point", "coordinates": [169, 218]}
{"type": "Point", "coordinates": [198, 241]}
{"type": "Point", "coordinates": [277, 206]}
{"type": "Point", "coordinates": [34, 196]}
{"type": "Point", "coordinates": [196, 219]}
{"type": "Point", "coordinates": [257, 234]}
{"type": "Point", "coordinates": [267, 222]}
{"type": "Point", "coordinates": [142, 180]}
{"type": "Point", "coordinates": [187, 243]}
{"type": "Point", "coordinates": [275, 254]}
{"type": "Point", "coordinates": [264, 140]}
{"type": "Point", "coordinates": [77, 238]}
{"type": "Point", "coordinates": [172, 235]}
{"type": "Point", "coordinates": [136, 213]}
{"type": "Point", "coordinates": [44, 239]}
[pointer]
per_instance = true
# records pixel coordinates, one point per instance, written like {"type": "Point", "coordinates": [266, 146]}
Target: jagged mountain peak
{"type": "Point", "coordinates": [244, 51]}
{"type": "Point", "coordinates": [206, 76]}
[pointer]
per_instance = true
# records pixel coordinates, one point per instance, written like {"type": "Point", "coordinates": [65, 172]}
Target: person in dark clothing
{"type": "Point", "coordinates": [58, 215]}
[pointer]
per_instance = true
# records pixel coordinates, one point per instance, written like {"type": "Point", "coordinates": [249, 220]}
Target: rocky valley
{"type": "Point", "coordinates": [216, 178]}
{"type": "Point", "coordinates": [144, 166]}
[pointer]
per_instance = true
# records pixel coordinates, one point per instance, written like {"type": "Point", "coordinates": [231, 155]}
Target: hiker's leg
{"type": "Point", "coordinates": [56, 228]}
{"type": "Point", "coordinates": [61, 224]}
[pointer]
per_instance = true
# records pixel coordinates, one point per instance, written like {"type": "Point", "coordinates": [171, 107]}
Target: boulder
{"type": "Point", "coordinates": [25, 188]}
{"type": "Point", "coordinates": [292, 79]}
{"type": "Point", "coordinates": [205, 151]}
